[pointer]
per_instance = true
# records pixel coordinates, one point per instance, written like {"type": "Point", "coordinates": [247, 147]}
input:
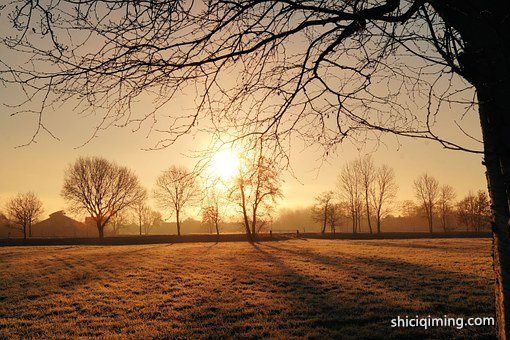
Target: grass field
{"type": "Point", "coordinates": [295, 288]}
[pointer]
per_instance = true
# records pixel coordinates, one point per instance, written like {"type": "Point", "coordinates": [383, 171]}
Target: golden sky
{"type": "Point", "coordinates": [39, 167]}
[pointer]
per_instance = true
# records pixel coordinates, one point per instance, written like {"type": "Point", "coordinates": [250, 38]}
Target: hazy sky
{"type": "Point", "coordinates": [39, 167]}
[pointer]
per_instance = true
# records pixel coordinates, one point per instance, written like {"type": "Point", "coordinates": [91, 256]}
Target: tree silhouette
{"type": "Point", "coordinates": [321, 70]}
{"type": "Point", "coordinates": [367, 172]}
{"type": "Point", "coordinates": [320, 211]}
{"type": "Point", "coordinates": [474, 211]}
{"type": "Point", "coordinates": [256, 189]}
{"type": "Point", "coordinates": [156, 219]}
{"type": "Point", "coordinates": [383, 192]}
{"type": "Point", "coordinates": [176, 189]}
{"type": "Point", "coordinates": [426, 188]}
{"type": "Point", "coordinates": [118, 222]}
{"type": "Point", "coordinates": [211, 217]}
{"type": "Point", "coordinates": [350, 190]}
{"type": "Point", "coordinates": [23, 210]}
{"type": "Point", "coordinates": [334, 215]}
{"type": "Point", "coordinates": [142, 214]}
{"type": "Point", "coordinates": [445, 204]}
{"type": "Point", "coordinates": [101, 188]}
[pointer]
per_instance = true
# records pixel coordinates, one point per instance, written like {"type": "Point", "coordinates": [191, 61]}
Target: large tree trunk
{"type": "Point", "coordinates": [483, 26]}
{"type": "Point", "coordinates": [495, 122]}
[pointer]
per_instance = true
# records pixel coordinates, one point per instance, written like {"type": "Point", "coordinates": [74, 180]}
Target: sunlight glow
{"type": "Point", "coordinates": [225, 164]}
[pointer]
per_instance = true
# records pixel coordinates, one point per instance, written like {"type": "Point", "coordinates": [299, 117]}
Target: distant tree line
{"type": "Point", "coordinates": [111, 196]}
{"type": "Point", "coordinates": [365, 195]}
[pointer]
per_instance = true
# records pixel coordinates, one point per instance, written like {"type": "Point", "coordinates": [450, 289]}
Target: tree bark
{"type": "Point", "coordinates": [495, 123]}
{"type": "Point", "coordinates": [484, 28]}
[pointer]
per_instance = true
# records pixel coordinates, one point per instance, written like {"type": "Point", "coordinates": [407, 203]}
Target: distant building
{"type": "Point", "coordinates": [60, 225]}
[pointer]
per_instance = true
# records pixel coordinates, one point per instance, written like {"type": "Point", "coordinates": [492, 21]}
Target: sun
{"type": "Point", "coordinates": [225, 164]}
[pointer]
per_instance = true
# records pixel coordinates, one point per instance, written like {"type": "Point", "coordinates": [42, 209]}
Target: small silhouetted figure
{"type": "Point", "coordinates": [297, 233]}
{"type": "Point", "coordinates": [271, 233]}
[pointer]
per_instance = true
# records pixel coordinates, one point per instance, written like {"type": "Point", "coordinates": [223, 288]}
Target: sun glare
{"type": "Point", "coordinates": [225, 164]}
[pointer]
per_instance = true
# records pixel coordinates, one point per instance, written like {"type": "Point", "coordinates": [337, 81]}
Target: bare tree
{"type": "Point", "coordinates": [426, 189]}
{"type": "Point", "coordinates": [142, 214]}
{"type": "Point", "coordinates": [154, 219]}
{"type": "Point", "coordinates": [445, 204]}
{"type": "Point", "coordinates": [409, 208]}
{"type": "Point", "coordinates": [118, 222]}
{"type": "Point", "coordinates": [334, 215]}
{"type": "Point", "coordinates": [176, 189]}
{"type": "Point", "coordinates": [256, 189]}
{"type": "Point", "coordinates": [106, 54]}
{"type": "Point", "coordinates": [474, 211]}
{"type": "Point", "coordinates": [350, 190]}
{"type": "Point", "coordinates": [383, 192]}
{"type": "Point", "coordinates": [211, 218]}
{"type": "Point", "coordinates": [367, 174]}
{"type": "Point", "coordinates": [101, 189]}
{"type": "Point", "coordinates": [215, 203]}
{"type": "Point", "coordinates": [320, 210]}
{"type": "Point", "coordinates": [24, 210]}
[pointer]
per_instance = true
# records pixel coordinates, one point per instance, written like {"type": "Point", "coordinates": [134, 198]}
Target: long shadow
{"type": "Point", "coordinates": [316, 307]}
{"type": "Point", "coordinates": [442, 247]}
{"type": "Point", "coordinates": [441, 288]}
{"type": "Point", "coordinates": [75, 271]}
{"type": "Point", "coordinates": [443, 292]}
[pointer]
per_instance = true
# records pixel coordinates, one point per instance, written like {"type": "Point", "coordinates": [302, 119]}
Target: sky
{"type": "Point", "coordinates": [39, 167]}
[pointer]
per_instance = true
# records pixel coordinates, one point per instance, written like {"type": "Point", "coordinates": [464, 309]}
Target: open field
{"type": "Point", "coordinates": [292, 288]}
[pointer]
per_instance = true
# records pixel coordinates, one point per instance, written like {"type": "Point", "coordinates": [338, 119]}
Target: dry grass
{"type": "Point", "coordinates": [298, 288]}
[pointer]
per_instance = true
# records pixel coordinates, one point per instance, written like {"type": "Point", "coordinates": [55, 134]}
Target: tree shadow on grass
{"type": "Point", "coordinates": [309, 308]}
{"type": "Point", "coordinates": [72, 272]}
{"type": "Point", "coordinates": [421, 244]}
{"type": "Point", "coordinates": [439, 292]}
